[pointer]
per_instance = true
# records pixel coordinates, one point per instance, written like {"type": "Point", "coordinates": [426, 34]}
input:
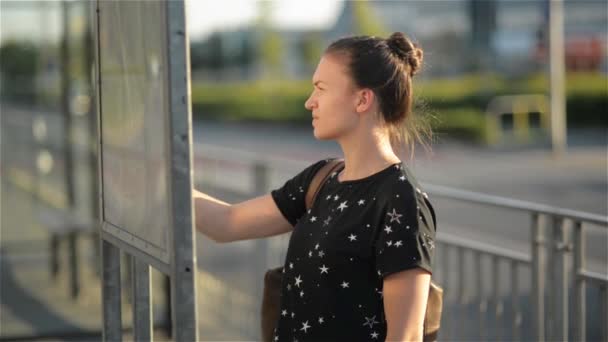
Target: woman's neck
{"type": "Point", "coordinates": [366, 154]}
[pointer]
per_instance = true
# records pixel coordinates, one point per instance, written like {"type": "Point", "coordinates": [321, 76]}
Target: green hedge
{"type": "Point", "coordinates": [457, 104]}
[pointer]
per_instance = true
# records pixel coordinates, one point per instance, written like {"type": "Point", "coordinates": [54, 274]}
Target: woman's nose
{"type": "Point", "coordinates": [309, 103]}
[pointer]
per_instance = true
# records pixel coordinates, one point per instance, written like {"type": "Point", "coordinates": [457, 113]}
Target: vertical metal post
{"type": "Point", "coordinates": [54, 257]}
{"type": "Point", "coordinates": [552, 280]}
{"type": "Point", "coordinates": [66, 85]}
{"type": "Point", "coordinates": [74, 271]}
{"type": "Point", "coordinates": [603, 312]}
{"type": "Point", "coordinates": [557, 75]}
{"type": "Point", "coordinates": [498, 309]}
{"type": "Point", "coordinates": [538, 276]}
{"type": "Point", "coordinates": [112, 315]}
{"type": "Point", "coordinates": [462, 292]}
{"type": "Point", "coordinates": [483, 303]}
{"type": "Point", "coordinates": [563, 248]}
{"type": "Point", "coordinates": [183, 261]}
{"type": "Point", "coordinates": [142, 300]}
{"type": "Point", "coordinates": [516, 320]}
{"type": "Point", "coordinates": [579, 325]}
{"type": "Point", "coordinates": [445, 278]}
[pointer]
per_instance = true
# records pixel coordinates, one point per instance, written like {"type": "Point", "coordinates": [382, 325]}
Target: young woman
{"type": "Point", "coordinates": [358, 264]}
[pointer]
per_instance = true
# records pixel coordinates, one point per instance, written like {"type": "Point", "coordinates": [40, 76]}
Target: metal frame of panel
{"type": "Point", "coordinates": [180, 262]}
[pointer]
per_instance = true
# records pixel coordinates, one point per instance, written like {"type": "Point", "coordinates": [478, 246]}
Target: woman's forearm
{"type": "Point", "coordinates": [211, 216]}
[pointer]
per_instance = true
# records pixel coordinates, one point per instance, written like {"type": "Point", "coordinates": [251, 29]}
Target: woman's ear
{"type": "Point", "coordinates": [365, 100]}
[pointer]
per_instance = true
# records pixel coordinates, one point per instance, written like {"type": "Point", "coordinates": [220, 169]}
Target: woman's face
{"type": "Point", "coordinates": [333, 99]}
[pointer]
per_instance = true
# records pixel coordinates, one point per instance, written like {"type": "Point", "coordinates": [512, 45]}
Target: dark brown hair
{"type": "Point", "coordinates": [387, 66]}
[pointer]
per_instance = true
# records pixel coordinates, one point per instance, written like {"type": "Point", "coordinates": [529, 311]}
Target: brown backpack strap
{"type": "Point", "coordinates": [320, 178]}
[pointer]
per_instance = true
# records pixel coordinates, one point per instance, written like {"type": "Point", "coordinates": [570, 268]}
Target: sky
{"type": "Point", "coordinates": [205, 16]}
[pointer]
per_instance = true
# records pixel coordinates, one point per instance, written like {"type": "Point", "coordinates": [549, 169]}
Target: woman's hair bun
{"type": "Point", "coordinates": [408, 52]}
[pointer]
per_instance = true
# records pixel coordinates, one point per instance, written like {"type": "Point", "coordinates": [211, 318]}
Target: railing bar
{"type": "Point", "coordinates": [593, 276]}
{"type": "Point", "coordinates": [481, 297]}
{"type": "Point", "coordinates": [284, 164]}
{"type": "Point", "coordinates": [496, 299]}
{"type": "Point", "coordinates": [445, 278]}
{"type": "Point", "coordinates": [579, 325]}
{"type": "Point", "coordinates": [538, 276]}
{"type": "Point", "coordinates": [562, 248]}
{"type": "Point", "coordinates": [604, 312]}
{"type": "Point", "coordinates": [508, 203]}
{"type": "Point", "coordinates": [516, 313]}
{"type": "Point", "coordinates": [482, 247]}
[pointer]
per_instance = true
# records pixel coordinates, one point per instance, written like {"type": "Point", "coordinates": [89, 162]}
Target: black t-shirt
{"type": "Point", "coordinates": [356, 233]}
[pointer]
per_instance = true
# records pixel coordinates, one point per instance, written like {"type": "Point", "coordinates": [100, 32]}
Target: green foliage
{"type": "Point", "coordinates": [271, 44]}
{"type": "Point", "coordinates": [457, 104]}
{"type": "Point", "coordinates": [19, 66]}
{"type": "Point", "coordinates": [311, 48]}
{"type": "Point", "coordinates": [366, 23]}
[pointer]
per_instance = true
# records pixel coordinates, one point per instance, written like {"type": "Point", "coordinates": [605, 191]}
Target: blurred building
{"type": "Point", "coordinates": [457, 36]}
{"type": "Point", "coordinates": [501, 35]}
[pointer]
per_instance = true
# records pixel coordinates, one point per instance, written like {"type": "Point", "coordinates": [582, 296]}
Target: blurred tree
{"type": "Point", "coordinates": [365, 20]}
{"type": "Point", "coordinates": [271, 44]}
{"type": "Point", "coordinates": [18, 69]}
{"type": "Point", "coordinates": [311, 47]}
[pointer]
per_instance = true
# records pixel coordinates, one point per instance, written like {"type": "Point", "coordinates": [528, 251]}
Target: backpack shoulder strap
{"type": "Point", "coordinates": [320, 178]}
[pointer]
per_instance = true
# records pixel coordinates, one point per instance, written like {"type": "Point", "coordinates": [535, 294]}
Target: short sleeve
{"type": "Point", "coordinates": [291, 197]}
{"type": "Point", "coordinates": [405, 238]}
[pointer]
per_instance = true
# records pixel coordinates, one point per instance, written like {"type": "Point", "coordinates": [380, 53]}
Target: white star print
{"type": "Point", "coordinates": [321, 254]}
{"type": "Point", "coordinates": [293, 314]}
{"type": "Point", "coordinates": [323, 269]}
{"type": "Point", "coordinates": [284, 313]}
{"type": "Point", "coordinates": [352, 237]}
{"type": "Point", "coordinates": [402, 178]}
{"type": "Point", "coordinates": [343, 206]}
{"type": "Point", "coordinates": [301, 293]}
{"type": "Point", "coordinates": [291, 265]}
{"type": "Point", "coordinates": [289, 286]}
{"type": "Point", "coordinates": [326, 222]}
{"type": "Point", "coordinates": [336, 197]}
{"type": "Point", "coordinates": [298, 281]}
{"type": "Point", "coordinates": [398, 243]}
{"type": "Point", "coordinates": [374, 335]}
{"type": "Point", "coordinates": [328, 197]}
{"type": "Point", "coordinates": [370, 321]}
{"type": "Point", "coordinates": [344, 284]}
{"type": "Point", "coordinates": [361, 202]}
{"type": "Point", "coordinates": [313, 219]}
{"type": "Point", "coordinates": [407, 227]}
{"type": "Point", "coordinates": [317, 246]}
{"type": "Point", "coordinates": [305, 326]}
{"type": "Point", "coordinates": [394, 216]}
{"type": "Point", "coordinates": [388, 229]}
{"type": "Point", "coordinates": [390, 243]}
{"type": "Point", "coordinates": [321, 320]}
{"type": "Point", "coordinates": [310, 254]}
{"type": "Point", "coordinates": [429, 242]}
{"type": "Point", "coordinates": [276, 338]}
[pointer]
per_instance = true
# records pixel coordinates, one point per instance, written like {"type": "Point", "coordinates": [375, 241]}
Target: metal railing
{"type": "Point", "coordinates": [556, 259]}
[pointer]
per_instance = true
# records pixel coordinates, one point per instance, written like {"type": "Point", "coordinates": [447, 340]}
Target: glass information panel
{"type": "Point", "coordinates": [134, 124]}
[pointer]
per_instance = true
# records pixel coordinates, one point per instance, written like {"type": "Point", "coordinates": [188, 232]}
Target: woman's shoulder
{"type": "Point", "coordinates": [400, 185]}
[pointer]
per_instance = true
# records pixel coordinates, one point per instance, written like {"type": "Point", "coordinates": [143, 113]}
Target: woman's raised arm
{"type": "Point", "coordinates": [223, 222]}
